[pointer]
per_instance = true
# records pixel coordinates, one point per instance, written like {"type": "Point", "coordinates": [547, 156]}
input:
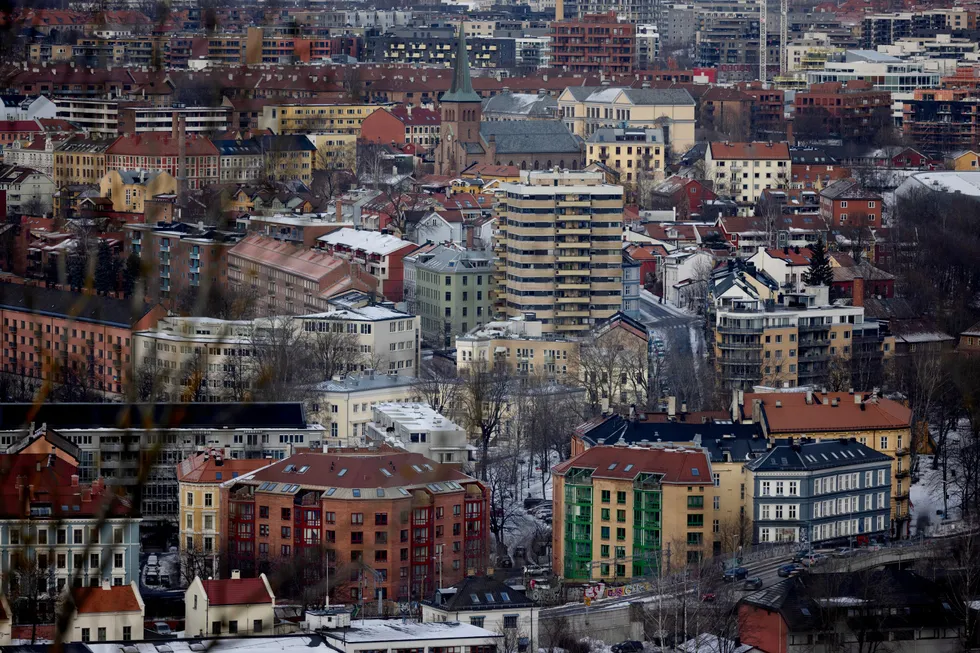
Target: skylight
{"type": "Point", "coordinates": [342, 472]}
{"type": "Point", "coordinates": [290, 468]}
{"type": "Point", "coordinates": [612, 466]}
{"type": "Point", "coordinates": [417, 468]}
{"type": "Point", "coordinates": [331, 491]}
{"type": "Point", "coordinates": [381, 492]}
{"type": "Point", "coordinates": [217, 476]}
{"type": "Point", "coordinates": [385, 471]}
{"type": "Point", "coordinates": [302, 470]}
{"type": "Point", "coordinates": [489, 597]}
{"type": "Point", "coordinates": [404, 491]}
{"type": "Point", "coordinates": [474, 598]}
{"type": "Point", "coordinates": [505, 596]}
{"type": "Point", "coordinates": [628, 467]}
{"type": "Point", "coordinates": [695, 471]}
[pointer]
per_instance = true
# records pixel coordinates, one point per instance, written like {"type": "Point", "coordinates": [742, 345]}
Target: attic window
{"type": "Point", "coordinates": [805, 611]}
{"type": "Point", "coordinates": [217, 476]}
{"type": "Point", "coordinates": [357, 492]}
{"type": "Point", "coordinates": [385, 471]}
{"type": "Point", "coordinates": [505, 596]}
{"type": "Point", "coordinates": [381, 492]}
{"type": "Point", "coordinates": [489, 597]}
{"type": "Point", "coordinates": [695, 471]}
{"type": "Point", "coordinates": [404, 491]}
{"type": "Point", "coordinates": [331, 491]}
{"type": "Point", "coordinates": [612, 467]}
{"type": "Point", "coordinates": [628, 467]}
{"type": "Point", "coordinates": [427, 466]}
{"type": "Point", "coordinates": [417, 468]}
{"type": "Point", "coordinates": [342, 472]}
{"type": "Point", "coordinates": [474, 598]}
{"type": "Point", "coordinates": [290, 468]}
{"type": "Point", "coordinates": [302, 470]}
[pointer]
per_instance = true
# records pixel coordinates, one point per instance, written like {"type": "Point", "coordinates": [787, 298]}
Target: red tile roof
{"type": "Point", "coordinates": [679, 465]}
{"type": "Point", "coordinates": [205, 467]}
{"type": "Point", "coordinates": [795, 415]}
{"type": "Point", "coordinates": [92, 600]}
{"type": "Point", "coordinates": [791, 256]}
{"type": "Point", "coordinates": [416, 116]}
{"type": "Point", "coordinates": [741, 151]}
{"type": "Point", "coordinates": [160, 144]}
{"type": "Point", "coordinates": [19, 126]}
{"type": "Point", "coordinates": [236, 591]}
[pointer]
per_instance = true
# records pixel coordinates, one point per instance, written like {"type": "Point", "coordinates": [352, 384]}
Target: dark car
{"type": "Point", "coordinates": [504, 562]}
{"type": "Point", "coordinates": [735, 573]}
{"type": "Point", "coordinates": [799, 555]}
{"type": "Point", "coordinates": [629, 646]}
{"type": "Point", "coordinates": [789, 570]}
{"type": "Point", "coordinates": [530, 502]}
{"type": "Point", "coordinates": [752, 584]}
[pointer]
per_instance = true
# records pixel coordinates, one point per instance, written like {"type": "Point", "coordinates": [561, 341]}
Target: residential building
{"type": "Point", "coordinates": [857, 280]}
{"type": "Point", "coordinates": [297, 229]}
{"type": "Point", "coordinates": [343, 406]}
{"type": "Point", "coordinates": [449, 289]}
{"type": "Point", "coordinates": [128, 189]}
{"type": "Point", "coordinates": [308, 277]}
{"type": "Point", "coordinates": [786, 266]}
{"type": "Point", "coordinates": [305, 118]}
{"type": "Point", "coordinates": [845, 204]}
{"type": "Point", "coordinates": [594, 43]}
{"type": "Point", "coordinates": [240, 161]}
{"type": "Point", "coordinates": [48, 335]}
{"type": "Point", "coordinates": [585, 109]}
{"type": "Point", "coordinates": [633, 153]}
{"type": "Point", "coordinates": [496, 607]}
{"type": "Point", "coordinates": [80, 533]}
{"type": "Point", "coordinates": [134, 119]}
{"type": "Point", "coordinates": [768, 109]}
{"type": "Point", "coordinates": [885, 29]}
{"type": "Point", "coordinates": [37, 154]}
{"type": "Point", "coordinates": [748, 234]}
{"type": "Point", "coordinates": [813, 168]}
{"type": "Point", "coordinates": [401, 125]}
{"type": "Point", "coordinates": [647, 46]}
{"type": "Point", "coordinates": [391, 509]}
{"type": "Point", "coordinates": [820, 493]}
{"type": "Point", "coordinates": [192, 157]}
{"type": "Point", "coordinates": [110, 440]}
{"type": "Point", "coordinates": [569, 281]}
{"type": "Point", "coordinates": [743, 170]}
{"type": "Point", "coordinates": [885, 72]}
{"type": "Point", "coordinates": [941, 181]}
{"type": "Point", "coordinates": [230, 607]}
{"type": "Point", "coordinates": [942, 120]}
{"type": "Point", "coordinates": [179, 258]}
{"type": "Point", "coordinates": [684, 276]}
{"type": "Point", "coordinates": [969, 341]}
{"type": "Point", "coordinates": [960, 160]}
{"type": "Point", "coordinates": [80, 160]}
{"type": "Point", "coordinates": [288, 158]}
{"type": "Point", "coordinates": [727, 38]}
{"type": "Point", "coordinates": [98, 117]}
{"type": "Point", "coordinates": [392, 634]}
{"type": "Point", "coordinates": [620, 507]}
{"type": "Point", "coordinates": [522, 346]}
{"type": "Point", "coordinates": [417, 428]}
{"type": "Point", "coordinates": [28, 191]}
{"type": "Point", "coordinates": [106, 613]}
{"type": "Point", "coordinates": [432, 46]}
{"type": "Point", "coordinates": [380, 255]}
{"type": "Point", "coordinates": [881, 424]}
{"type": "Point", "coordinates": [685, 195]}
{"type": "Point", "coordinates": [853, 109]}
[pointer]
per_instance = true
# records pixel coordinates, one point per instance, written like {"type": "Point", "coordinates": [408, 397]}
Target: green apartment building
{"type": "Point", "coordinates": [449, 289]}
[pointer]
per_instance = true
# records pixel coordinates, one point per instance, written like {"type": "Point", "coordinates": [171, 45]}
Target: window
{"type": "Point", "coordinates": [695, 502]}
{"type": "Point", "coordinates": [263, 512]}
{"type": "Point", "coordinates": [127, 633]}
{"type": "Point", "coordinates": [621, 534]}
{"type": "Point", "coordinates": [764, 489]}
{"type": "Point", "coordinates": [477, 621]}
{"type": "Point", "coordinates": [286, 514]}
{"type": "Point", "coordinates": [208, 500]}
{"type": "Point", "coordinates": [621, 498]}
{"type": "Point", "coordinates": [606, 496]}
{"type": "Point", "coordinates": [510, 621]}
{"type": "Point", "coordinates": [190, 498]}
{"type": "Point", "coordinates": [695, 521]}
{"type": "Point", "coordinates": [102, 634]}
{"type": "Point", "coordinates": [716, 477]}
{"type": "Point", "coordinates": [86, 635]}
{"type": "Point", "coordinates": [357, 518]}
{"type": "Point", "coordinates": [604, 532]}
{"type": "Point", "coordinates": [884, 442]}
{"type": "Point", "coordinates": [605, 514]}
{"type": "Point", "coordinates": [233, 627]}
{"type": "Point", "coordinates": [621, 516]}
{"type": "Point", "coordinates": [716, 501]}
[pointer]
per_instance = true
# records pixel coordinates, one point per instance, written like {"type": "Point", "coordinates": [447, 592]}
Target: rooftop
{"type": "Point", "coordinates": [94, 309]}
{"type": "Point", "coordinates": [415, 416]}
{"type": "Point", "coordinates": [816, 455]}
{"type": "Point", "coordinates": [816, 411]}
{"type": "Point", "coordinates": [213, 467]}
{"type": "Point", "coordinates": [679, 465]}
{"type": "Point", "coordinates": [95, 600]}
{"type": "Point", "coordinates": [237, 591]}
{"type": "Point", "coordinates": [394, 630]}
{"type": "Point", "coordinates": [366, 383]}
{"type": "Point", "coordinates": [371, 242]}
{"type": "Point", "coordinates": [753, 151]}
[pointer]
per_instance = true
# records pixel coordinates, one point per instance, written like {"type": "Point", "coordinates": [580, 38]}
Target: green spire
{"type": "Point", "coordinates": [462, 88]}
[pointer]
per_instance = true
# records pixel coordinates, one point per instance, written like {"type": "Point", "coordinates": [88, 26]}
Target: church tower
{"type": "Point", "coordinates": [461, 110]}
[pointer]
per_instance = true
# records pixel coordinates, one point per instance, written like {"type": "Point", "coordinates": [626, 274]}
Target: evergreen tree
{"type": "Point", "coordinates": [106, 269]}
{"type": "Point", "coordinates": [77, 269]}
{"type": "Point", "coordinates": [130, 274]}
{"type": "Point", "coordinates": [51, 271]}
{"type": "Point", "coordinates": [819, 273]}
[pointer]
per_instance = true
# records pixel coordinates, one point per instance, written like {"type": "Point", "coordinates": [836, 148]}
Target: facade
{"type": "Point", "coordinates": [47, 336]}
{"type": "Point", "coordinates": [432, 46]}
{"type": "Point", "coordinates": [620, 507]}
{"type": "Point", "coordinates": [195, 159]}
{"type": "Point", "coordinates": [80, 160]}
{"type": "Point", "coordinates": [304, 118]}
{"type": "Point", "coordinates": [198, 479]}
{"type": "Point", "coordinates": [584, 109]}
{"type": "Point", "coordinates": [344, 406]}
{"type": "Point", "coordinates": [417, 428]}
{"type": "Point", "coordinates": [595, 43]}
{"type": "Point", "coordinates": [569, 281]}
{"type": "Point", "coordinates": [390, 509]}
{"type": "Point", "coordinates": [112, 613]}
{"type": "Point", "coordinates": [402, 125]}
{"type": "Point", "coordinates": [820, 493]}
{"type": "Point", "coordinates": [38, 154]}
{"type": "Point", "coordinates": [29, 192]}
{"type": "Point", "coordinates": [853, 109]}
{"type": "Point", "coordinates": [942, 120]}
{"type": "Point", "coordinates": [129, 189]}
{"type": "Point", "coordinates": [380, 255]}
{"type": "Point", "coordinates": [230, 607]}
{"type": "Point", "coordinates": [98, 117]}
{"type": "Point", "coordinates": [743, 170]}
{"type": "Point", "coordinates": [881, 424]}
{"type": "Point", "coordinates": [633, 153]}
{"type": "Point", "coordinates": [498, 608]}
{"type": "Point", "coordinates": [449, 289]}
{"type": "Point", "coordinates": [240, 161]}
{"type": "Point", "coordinates": [288, 157]}
{"type": "Point", "coordinates": [813, 168]}
{"type": "Point", "coordinates": [845, 204]}
{"type": "Point", "coordinates": [134, 119]}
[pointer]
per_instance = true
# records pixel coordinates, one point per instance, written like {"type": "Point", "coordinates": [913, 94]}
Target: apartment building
{"type": "Point", "coordinates": [595, 43]}
{"type": "Point", "coordinates": [633, 153]}
{"type": "Point", "coordinates": [820, 492]}
{"type": "Point", "coordinates": [80, 533]}
{"type": "Point", "coordinates": [129, 189]}
{"type": "Point", "coordinates": [307, 278]}
{"type": "Point", "coordinates": [179, 257]}
{"type": "Point", "coordinates": [402, 124]}
{"type": "Point", "coordinates": [343, 406]}
{"type": "Point", "coordinates": [942, 120]}
{"type": "Point", "coordinates": [80, 160]}
{"type": "Point", "coordinates": [886, 73]}
{"type": "Point", "coordinates": [449, 289]}
{"type": "Point", "coordinates": [584, 109]}
{"type": "Point", "coordinates": [433, 46]}
{"type": "Point", "coordinates": [310, 118]}
{"type": "Point", "coordinates": [727, 38]}
{"type": "Point", "coordinates": [417, 428]}
{"type": "Point", "coordinates": [191, 157]}
{"type": "Point", "coordinates": [851, 109]}
{"type": "Point", "coordinates": [99, 118]}
{"type": "Point", "coordinates": [48, 335]}
{"type": "Point", "coordinates": [845, 204]}
{"type": "Point", "coordinates": [563, 262]}
{"type": "Point", "coordinates": [521, 345]}
{"type": "Point", "coordinates": [240, 161]}
{"type": "Point", "coordinates": [390, 509]}
{"type": "Point", "coordinates": [37, 154]}
{"type": "Point", "coordinates": [882, 424]}
{"type": "Point", "coordinates": [380, 255]}
{"type": "Point", "coordinates": [288, 158]}
{"type": "Point", "coordinates": [115, 441]}
{"type": "Point", "coordinates": [742, 171]}
{"type": "Point", "coordinates": [199, 477]}
{"type": "Point", "coordinates": [135, 119]}
{"type": "Point", "coordinates": [620, 507]}
{"type": "Point", "coordinates": [28, 192]}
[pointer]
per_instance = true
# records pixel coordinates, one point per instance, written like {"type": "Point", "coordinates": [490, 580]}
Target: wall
{"type": "Point", "coordinates": [113, 622]}
{"type": "Point", "coordinates": [762, 629]}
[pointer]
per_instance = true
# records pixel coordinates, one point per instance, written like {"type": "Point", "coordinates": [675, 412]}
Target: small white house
{"type": "Point", "coordinates": [230, 607]}
{"type": "Point", "coordinates": [439, 227]}
{"type": "Point", "coordinates": [490, 604]}
{"type": "Point", "coordinates": [106, 613]}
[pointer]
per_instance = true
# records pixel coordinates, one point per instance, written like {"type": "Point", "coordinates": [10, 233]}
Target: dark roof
{"type": "Point", "coordinates": [238, 148]}
{"type": "Point", "coordinates": [287, 143]}
{"type": "Point", "coordinates": [478, 593]}
{"type": "Point", "coordinates": [811, 156]}
{"type": "Point", "coordinates": [530, 136]}
{"type": "Point", "coordinates": [893, 308]}
{"type": "Point", "coordinates": [824, 454]}
{"type": "Point", "coordinates": [740, 441]}
{"type": "Point", "coordinates": [194, 415]}
{"type": "Point", "coordinates": [461, 89]}
{"type": "Point", "coordinates": [82, 308]}
{"type": "Point", "coordinates": [848, 189]}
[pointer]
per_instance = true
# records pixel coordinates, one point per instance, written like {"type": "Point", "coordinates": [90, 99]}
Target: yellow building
{"type": "Point", "coordinates": [584, 109]}
{"type": "Point", "coordinates": [633, 153]}
{"type": "Point", "coordinates": [198, 481]}
{"type": "Point", "coordinates": [558, 250]}
{"type": "Point", "coordinates": [128, 189]}
{"type": "Point", "coordinates": [741, 171]}
{"type": "Point", "coordinates": [967, 160]}
{"type": "Point", "coordinates": [317, 118]}
{"type": "Point", "coordinates": [334, 151]}
{"type": "Point", "coordinates": [879, 423]}
{"type": "Point", "coordinates": [80, 160]}
{"type": "Point", "coordinates": [621, 512]}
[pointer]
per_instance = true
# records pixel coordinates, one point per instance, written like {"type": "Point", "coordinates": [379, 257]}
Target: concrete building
{"type": "Point", "coordinates": [853, 109]}
{"type": "Point", "coordinates": [134, 119]}
{"type": "Point", "coordinates": [647, 46]}
{"type": "Point", "coordinates": [390, 509]}
{"type": "Point", "coordinates": [240, 161]}
{"type": "Point", "coordinates": [634, 153]}
{"type": "Point", "coordinates": [28, 191]}
{"type": "Point", "coordinates": [820, 493]}
{"type": "Point", "coordinates": [402, 125]}
{"type": "Point", "coordinates": [195, 159]}
{"type": "Point", "coordinates": [106, 613]}
{"type": "Point", "coordinates": [742, 171]}
{"type": "Point", "coordinates": [230, 607]}
{"type": "Point", "coordinates": [387, 635]}
{"type": "Point", "coordinates": [380, 255]}
{"type": "Point", "coordinates": [449, 289]}
{"type": "Point", "coordinates": [343, 406]}
{"type": "Point", "coordinates": [497, 607]}
{"type": "Point", "coordinates": [570, 280]}
{"type": "Point", "coordinates": [417, 428]}
{"type": "Point", "coordinates": [80, 160]}
{"type": "Point", "coordinates": [295, 118]}
{"type": "Point", "coordinates": [98, 117]}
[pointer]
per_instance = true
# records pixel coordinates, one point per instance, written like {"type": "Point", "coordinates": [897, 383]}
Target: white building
{"type": "Point", "coordinates": [28, 191]}
{"type": "Point", "coordinates": [106, 613]}
{"type": "Point", "coordinates": [685, 276]}
{"type": "Point", "coordinates": [22, 107]}
{"type": "Point", "coordinates": [647, 45]}
{"type": "Point", "coordinates": [37, 155]}
{"type": "Point", "coordinates": [742, 171]}
{"type": "Point", "coordinates": [230, 607]}
{"type": "Point", "coordinates": [100, 118]}
{"type": "Point", "coordinates": [343, 406]}
{"type": "Point", "coordinates": [391, 635]}
{"type": "Point", "coordinates": [417, 428]}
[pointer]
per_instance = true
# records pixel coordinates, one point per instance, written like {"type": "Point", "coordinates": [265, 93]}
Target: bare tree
{"type": "Point", "coordinates": [483, 402]}
{"type": "Point", "coordinates": [613, 368]}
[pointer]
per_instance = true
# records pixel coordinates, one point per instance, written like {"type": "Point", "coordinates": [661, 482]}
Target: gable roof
{"type": "Point", "coordinates": [530, 136]}
{"type": "Point", "coordinates": [105, 600]}
{"type": "Point", "coordinates": [677, 465]}
{"type": "Point", "coordinates": [479, 593]}
{"type": "Point", "coordinates": [237, 591]}
{"type": "Point", "coordinates": [213, 467]}
{"type": "Point", "coordinates": [848, 189]}
{"type": "Point", "coordinates": [790, 255]}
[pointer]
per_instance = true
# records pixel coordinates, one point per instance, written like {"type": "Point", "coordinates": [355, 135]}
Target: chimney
{"type": "Point", "coordinates": [857, 398]}
{"type": "Point", "coordinates": [671, 407]}
{"type": "Point", "coordinates": [683, 407]}
{"type": "Point", "coordinates": [74, 480]}
{"type": "Point", "coordinates": [857, 291]}
{"type": "Point", "coordinates": [757, 411]}
{"type": "Point", "coordinates": [106, 585]}
{"type": "Point", "coordinates": [175, 128]}
{"type": "Point", "coordinates": [236, 574]}
{"type": "Point", "coordinates": [340, 210]}
{"type": "Point", "coordinates": [181, 154]}
{"type": "Point", "coordinates": [809, 397]}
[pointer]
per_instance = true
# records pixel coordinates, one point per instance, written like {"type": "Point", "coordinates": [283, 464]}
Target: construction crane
{"type": "Point", "coordinates": [763, 39]}
{"type": "Point", "coordinates": [783, 36]}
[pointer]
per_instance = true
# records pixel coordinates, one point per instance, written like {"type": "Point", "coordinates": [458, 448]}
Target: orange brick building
{"type": "Point", "coordinates": [409, 520]}
{"type": "Point", "coordinates": [596, 43]}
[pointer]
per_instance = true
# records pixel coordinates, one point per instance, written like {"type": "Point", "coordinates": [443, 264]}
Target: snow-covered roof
{"type": "Point", "coordinates": [371, 242]}
{"type": "Point", "coordinates": [392, 630]}
{"type": "Point", "coordinates": [363, 314]}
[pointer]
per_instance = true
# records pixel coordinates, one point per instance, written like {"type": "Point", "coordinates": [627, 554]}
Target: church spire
{"type": "Point", "coordinates": [461, 89]}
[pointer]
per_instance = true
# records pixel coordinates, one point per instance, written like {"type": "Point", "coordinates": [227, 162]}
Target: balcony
{"type": "Point", "coordinates": [739, 345]}
{"type": "Point", "coordinates": [810, 328]}
{"type": "Point", "coordinates": [569, 285]}
{"type": "Point", "coordinates": [739, 330]}
{"type": "Point", "coordinates": [814, 342]}
{"type": "Point", "coordinates": [742, 375]}
{"type": "Point", "coordinates": [902, 473]}
{"type": "Point", "coordinates": [741, 360]}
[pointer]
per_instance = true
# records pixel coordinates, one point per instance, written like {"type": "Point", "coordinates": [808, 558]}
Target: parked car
{"type": "Point", "coordinates": [536, 570]}
{"type": "Point", "coordinates": [789, 570]}
{"type": "Point", "coordinates": [754, 583]}
{"type": "Point", "coordinates": [162, 628]}
{"type": "Point", "coordinates": [629, 646]}
{"type": "Point", "coordinates": [504, 562]}
{"type": "Point", "coordinates": [530, 502]}
{"type": "Point", "coordinates": [799, 555]}
{"type": "Point", "coordinates": [708, 597]}
{"type": "Point", "coordinates": [813, 559]}
{"type": "Point", "coordinates": [844, 552]}
{"type": "Point", "coordinates": [735, 573]}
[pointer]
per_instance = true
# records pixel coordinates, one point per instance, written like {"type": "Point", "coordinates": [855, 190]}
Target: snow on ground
{"type": "Point", "coordinates": [665, 305]}
{"type": "Point", "coordinates": [926, 497]}
{"type": "Point", "coordinates": [596, 645]}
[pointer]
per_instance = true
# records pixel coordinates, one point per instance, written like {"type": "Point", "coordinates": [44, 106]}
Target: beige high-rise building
{"type": "Point", "coordinates": [558, 249]}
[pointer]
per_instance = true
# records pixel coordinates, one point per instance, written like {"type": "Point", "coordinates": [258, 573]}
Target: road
{"type": "Point", "coordinates": [679, 331]}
